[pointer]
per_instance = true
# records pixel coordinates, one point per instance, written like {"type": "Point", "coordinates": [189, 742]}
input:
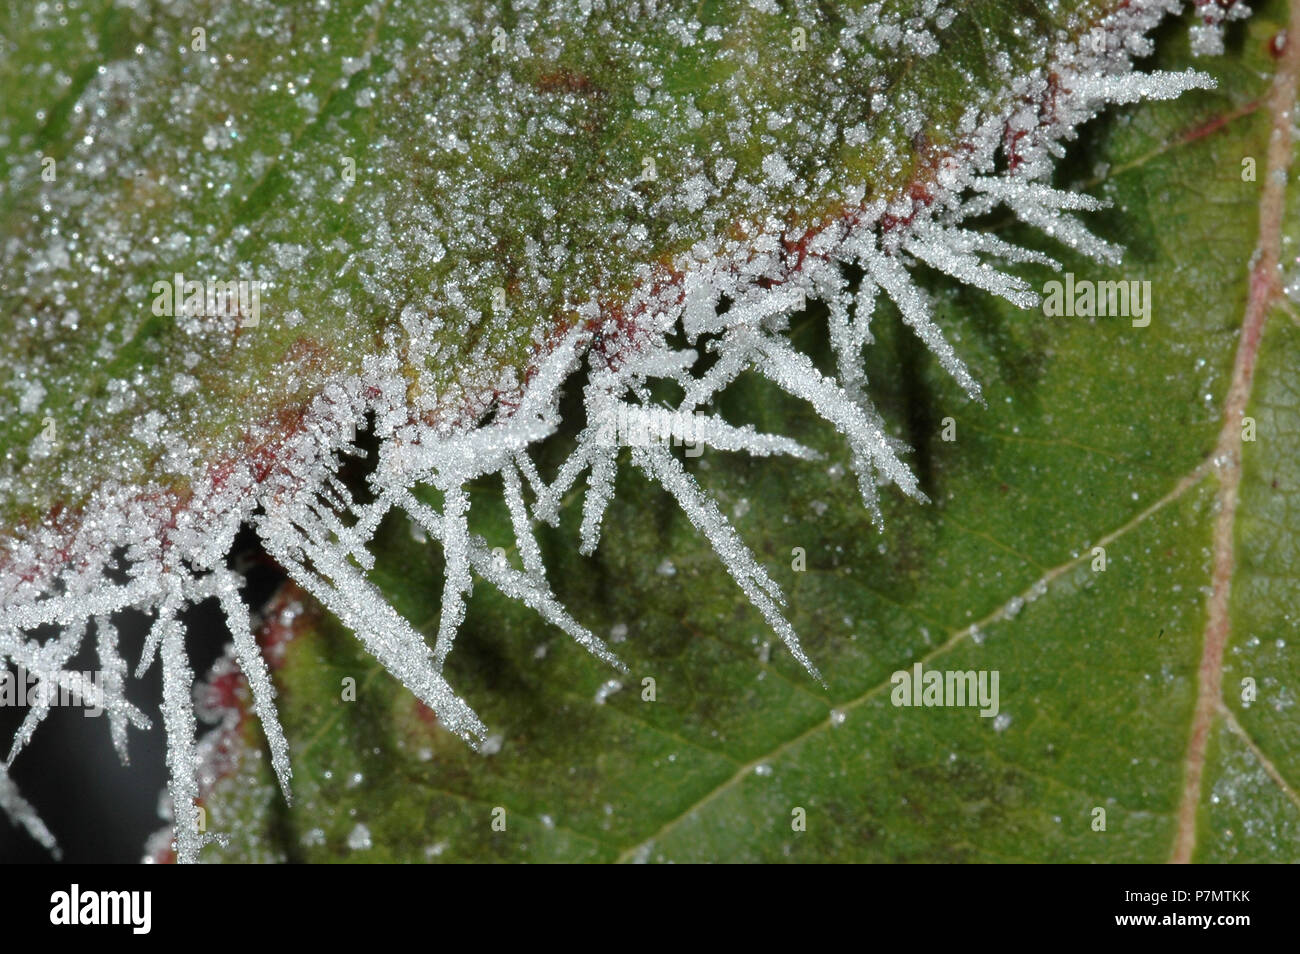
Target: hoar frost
{"type": "Point", "coordinates": [442, 418]}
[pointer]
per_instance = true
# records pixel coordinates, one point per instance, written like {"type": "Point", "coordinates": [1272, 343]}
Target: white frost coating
{"type": "Point", "coordinates": [309, 523]}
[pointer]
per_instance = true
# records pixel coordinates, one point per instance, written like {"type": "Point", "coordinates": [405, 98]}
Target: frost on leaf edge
{"type": "Point", "coordinates": [306, 518]}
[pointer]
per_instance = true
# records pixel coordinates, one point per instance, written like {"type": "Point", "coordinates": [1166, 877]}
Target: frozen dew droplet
{"type": "Point", "coordinates": [607, 689]}
{"type": "Point", "coordinates": [359, 838]}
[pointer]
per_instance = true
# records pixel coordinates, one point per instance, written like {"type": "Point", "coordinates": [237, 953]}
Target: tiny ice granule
{"type": "Point", "coordinates": [359, 838]}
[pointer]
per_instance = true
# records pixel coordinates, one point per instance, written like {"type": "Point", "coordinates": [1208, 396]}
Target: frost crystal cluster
{"type": "Point", "coordinates": [427, 240]}
{"type": "Point", "coordinates": [1207, 36]}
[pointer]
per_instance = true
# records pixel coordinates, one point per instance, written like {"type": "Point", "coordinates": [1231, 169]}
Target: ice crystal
{"type": "Point", "coordinates": [309, 522]}
{"type": "Point", "coordinates": [1207, 37]}
{"type": "Point", "coordinates": [22, 813]}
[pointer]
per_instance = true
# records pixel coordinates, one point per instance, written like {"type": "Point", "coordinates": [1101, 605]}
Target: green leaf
{"type": "Point", "coordinates": [1115, 691]}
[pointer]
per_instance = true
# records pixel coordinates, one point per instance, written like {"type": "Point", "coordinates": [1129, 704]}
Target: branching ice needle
{"type": "Point", "coordinates": [529, 552]}
{"type": "Point", "coordinates": [455, 546]}
{"type": "Point", "coordinates": [178, 719]}
{"type": "Point", "coordinates": [113, 667]}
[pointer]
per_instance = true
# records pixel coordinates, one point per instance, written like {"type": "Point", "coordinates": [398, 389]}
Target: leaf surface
{"type": "Point", "coordinates": [1096, 433]}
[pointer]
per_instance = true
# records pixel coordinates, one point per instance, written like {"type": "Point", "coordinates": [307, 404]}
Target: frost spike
{"type": "Point", "coordinates": [965, 267]}
{"type": "Point", "coordinates": [514, 584]}
{"type": "Point", "coordinates": [527, 543]}
{"type": "Point", "coordinates": [21, 813]}
{"type": "Point", "coordinates": [847, 338]}
{"type": "Point", "coordinates": [1040, 206]}
{"type": "Point", "coordinates": [67, 609]}
{"type": "Point", "coordinates": [717, 433]}
{"type": "Point", "coordinates": [34, 659]}
{"type": "Point", "coordinates": [1132, 87]}
{"type": "Point", "coordinates": [1016, 191]}
{"type": "Point", "coordinates": [1069, 231]}
{"type": "Point", "coordinates": [703, 513]}
{"type": "Point", "coordinates": [164, 622]}
{"type": "Point", "coordinates": [529, 470]}
{"type": "Point", "coordinates": [518, 586]}
{"type": "Point", "coordinates": [382, 630]}
{"type": "Point", "coordinates": [455, 547]}
{"type": "Point", "coordinates": [733, 360]}
{"type": "Point", "coordinates": [178, 720]}
{"type": "Point", "coordinates": [1008, 252]}
{"type": "Point", "coordinates": [114, 669]}
{"type": "Point", "coordinates": [600, 488]}
{"type": "Point", "coordinates": [51, 659]}
{"type": "Point", "coordinates": [893, 278]}
{"type": "Point", "coordinates": [254, 668]}
{"type": "Point", "coordinates": [547, 506]}
{"type": "Point", "coordinates": [795, 373]}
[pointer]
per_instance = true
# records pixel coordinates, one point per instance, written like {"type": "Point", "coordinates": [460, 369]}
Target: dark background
{"type": "Point", "coordinates": [98, 809]}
